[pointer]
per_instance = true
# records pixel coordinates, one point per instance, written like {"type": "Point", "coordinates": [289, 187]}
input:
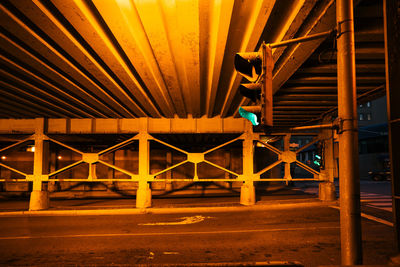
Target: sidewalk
{"type": "Point", "coordinates": [279, 199]}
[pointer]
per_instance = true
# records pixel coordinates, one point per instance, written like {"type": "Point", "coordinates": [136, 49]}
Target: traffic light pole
{"type": "Point", "coordinates": [349, 181]}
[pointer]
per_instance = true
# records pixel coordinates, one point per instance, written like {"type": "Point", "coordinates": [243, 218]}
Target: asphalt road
{"type": "Point", "coordinates": [375, 197]}
{"type": "Point", "coordinates": [307, 235]}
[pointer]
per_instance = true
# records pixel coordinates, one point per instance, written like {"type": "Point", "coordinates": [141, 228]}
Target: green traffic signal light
{"type": "Point", "coordinates": [318, 160]}
{"type": "Point", "coordinates": [248, 115]}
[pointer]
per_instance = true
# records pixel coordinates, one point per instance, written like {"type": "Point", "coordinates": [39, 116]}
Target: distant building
{"type": "Point", "coordinates": [373, 136]}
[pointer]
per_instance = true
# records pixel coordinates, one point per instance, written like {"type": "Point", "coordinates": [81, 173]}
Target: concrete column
{"type": "Point", "coordinates": [143, 194]}
{"type": "Point", "coordinates": [39, 198]}
{"type": "Point", "coordinates": [247, 191]}
{"type": "Point", "coordinates": [327, 190]}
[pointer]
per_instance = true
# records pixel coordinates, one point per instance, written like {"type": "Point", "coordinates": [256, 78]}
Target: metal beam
{"type": "Point", "coordinates": [288, 21]}
{"type": "Point", "coordinates": [124, 21]}
{"type": "Point", "coordinates": [66, 63]}
{"type": "Point", "coordinates": [323, 20]}
{"type": "Point", "coordinates": [126, 126]}
{"type": "Point", "coordinates": [244, 37]}
{"type": "Point", "coordinates": [55, 80]}
{"type": "Point", "coordinates": [214, 32]}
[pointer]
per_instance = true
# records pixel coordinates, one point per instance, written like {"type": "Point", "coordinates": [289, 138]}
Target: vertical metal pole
{"type": "Point", "coordinates": [286, 147]}
{"type": "Point", "coordinates": [350, 219]}
{"type": "Point", "coordinates": [143, 195]}
{"type": "Point", "coordinates": [247, 191]}
{"type": "Point", "coordinates": [38, 155]}
{"type": "Point", "coordinates": [39, 199]}
{"type": "Point", "coordinates": [392, 54]}
{"type": "Point", "coordinates": [327, 190]}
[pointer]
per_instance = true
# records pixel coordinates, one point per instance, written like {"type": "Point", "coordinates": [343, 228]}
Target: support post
{"type": "Point", "coordinates": [92, 172]}
{"type": "Point", "coordinates": [143, 193]}
{"type": "Point", "coordinates": [392, 53]}
{"type": "Point", "coordinates": [286, 147]}
{"type": "Point", "coordinates": [247, 191]}
{"type": "Point", "coordinates": [350, 219]}
{"type": "Point", "coordinates": [39, 199]}
{"type": "Point", "coordinates": [327, 190]}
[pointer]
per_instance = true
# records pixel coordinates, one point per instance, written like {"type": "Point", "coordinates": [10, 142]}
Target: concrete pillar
{"type": "Point", "coordinates": [143, 193]}
{"type": "Point", "coordinates": [39, 200]}
{"type": "Point", "coordinates": [248, 194]}
{"type": "Point", "coordinates": [247, 191]}
{"type": "Point", "coordinates": [327, 189]}
{"type": "Point", "coordinates": [39, 197]}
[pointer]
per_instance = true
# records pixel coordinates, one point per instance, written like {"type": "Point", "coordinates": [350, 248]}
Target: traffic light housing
{"type": "Point", "coordinates": [256, 67]}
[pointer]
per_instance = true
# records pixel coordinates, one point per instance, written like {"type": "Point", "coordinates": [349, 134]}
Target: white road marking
{"type": "Point", "coordinates": [170, 253]}
{"type": "Point", "coordinates": [383, 202]}
{"type": "Point", "coordinates": [370, 217]}
{"type": "Point", "coordinates": [151, 257]}
{"type": "Point", "coordinates": [185, 220]}
{"type": "Point", "coordinates": [175, 233]}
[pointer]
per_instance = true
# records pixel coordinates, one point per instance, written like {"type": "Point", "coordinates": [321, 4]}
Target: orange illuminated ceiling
{"type": "Point", "coordinates": [173, 58]}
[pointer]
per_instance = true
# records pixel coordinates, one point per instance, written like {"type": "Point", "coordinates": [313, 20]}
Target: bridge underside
{"type": "Point", "coordinates": [166, 59]}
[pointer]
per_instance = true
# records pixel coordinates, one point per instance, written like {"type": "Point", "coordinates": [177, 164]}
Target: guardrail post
{"type": "Point", "coordinates": [247, 191]}
{"type": "Point", "coordinates": [143, 193]}
{"type": "Point", "coordinates": [39, 199]}
{"type": "Point", "coordinates": [327, 190]}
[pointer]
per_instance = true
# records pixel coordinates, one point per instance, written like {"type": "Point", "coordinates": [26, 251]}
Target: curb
{"type": "Point", "coordinates": [172, 210]}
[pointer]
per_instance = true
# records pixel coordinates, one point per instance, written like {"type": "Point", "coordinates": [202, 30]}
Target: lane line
{"type": "Point", "coordinates": [370, 217]}
{"type": "Point", "coordinates": [173, 233]}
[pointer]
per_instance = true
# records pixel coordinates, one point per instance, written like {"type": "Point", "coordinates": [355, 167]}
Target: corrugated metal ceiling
{"type": "Point", "coordinates": [173, 58]}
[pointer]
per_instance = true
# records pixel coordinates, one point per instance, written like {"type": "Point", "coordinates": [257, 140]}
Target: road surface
{"type": "Point", "coordinates": [307, 235]}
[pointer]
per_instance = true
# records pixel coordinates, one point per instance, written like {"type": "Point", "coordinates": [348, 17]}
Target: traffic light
{"type": "Point", "coordinates": [319, 155]}
{"type": "Point", "coordinates": [256, 67]}
{"type": "Point", "coordinates": [317, 160]}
